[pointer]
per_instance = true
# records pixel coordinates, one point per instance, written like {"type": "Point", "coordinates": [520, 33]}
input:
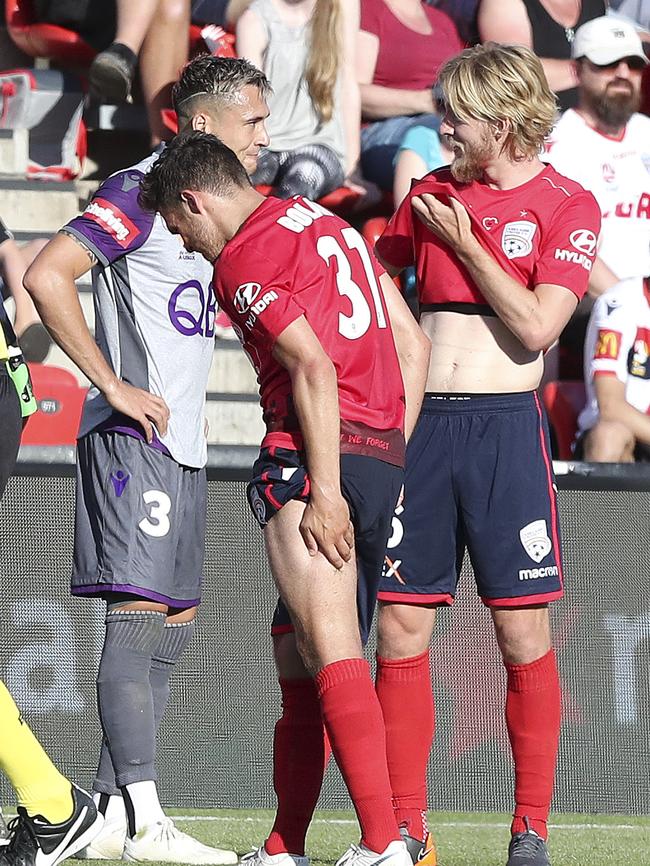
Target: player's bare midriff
{"type": "Point", "coordinates": [477, 354]}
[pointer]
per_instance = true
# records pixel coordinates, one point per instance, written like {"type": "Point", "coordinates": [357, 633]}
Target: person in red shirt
{"type": "Point", "coordinates": [401, 46]}
{"type": "Point", "coordinates": [341, 365]}
{"type": "Point", "coordinates": [503, 246]}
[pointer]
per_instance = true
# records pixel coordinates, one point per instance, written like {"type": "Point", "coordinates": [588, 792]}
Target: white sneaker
{"type": "Point", "coordinates": [165, 843]}
{"type": "Point", "coordinates": [262, 858]}
{"type": "Point", "coordinates": [109, 843]}
{"type": "Point", "coordinates": [396, 854]}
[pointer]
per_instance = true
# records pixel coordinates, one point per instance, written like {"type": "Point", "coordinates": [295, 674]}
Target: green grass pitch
{"type": "Point", "coordinates": [462, 839]}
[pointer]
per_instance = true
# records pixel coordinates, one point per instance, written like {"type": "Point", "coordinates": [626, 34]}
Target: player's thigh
{"type": "Point", "coordinates": [371, 488]}
{"type": "Point", "coordinates": [10, 427]}
{"type": "Point", "coordinates": [509, 504]}
{"type": "Point", "coordinates": [426, 542]}
{"type": "Point", "coordinates": [321, 599]}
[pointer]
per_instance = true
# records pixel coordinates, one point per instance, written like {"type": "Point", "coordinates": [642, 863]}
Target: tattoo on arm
{"type": "Point", "coordinates": [89, 253]}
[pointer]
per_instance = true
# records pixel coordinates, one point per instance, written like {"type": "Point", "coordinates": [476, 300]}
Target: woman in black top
{"type": "Point", "coordinates": [546, 26]}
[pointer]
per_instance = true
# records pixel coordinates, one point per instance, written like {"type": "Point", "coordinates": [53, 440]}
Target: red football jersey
{"type": "Point", "coordinates": [544, 231]}
{"type": "Point", "coordinates": [294, 258]}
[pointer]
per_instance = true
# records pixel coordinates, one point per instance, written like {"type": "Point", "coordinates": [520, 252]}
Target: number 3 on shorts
{"type": "Point", "coordinates": [157, 523]}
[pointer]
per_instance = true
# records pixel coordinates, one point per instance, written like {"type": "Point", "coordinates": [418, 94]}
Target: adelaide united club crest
{"type": "Point", "coordinates": [517, 238]}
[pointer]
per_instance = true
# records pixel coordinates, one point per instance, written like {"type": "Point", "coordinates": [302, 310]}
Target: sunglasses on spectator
{"type": "Point", "coordinates": [635, 64]}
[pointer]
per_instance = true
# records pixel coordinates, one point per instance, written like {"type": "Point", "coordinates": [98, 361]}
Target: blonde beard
{"type": "Point", "coordinates": [469, 166]}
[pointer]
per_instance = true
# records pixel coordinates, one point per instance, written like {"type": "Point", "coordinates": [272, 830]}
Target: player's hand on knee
{"type": "Point", "coordinates": [145, 408]}
{"type": "Point", "coordinates": [326, 528]}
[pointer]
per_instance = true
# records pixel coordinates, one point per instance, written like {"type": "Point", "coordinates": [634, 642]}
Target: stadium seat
{"type": "Point", "coordinates": [66, 47]}
{"type": "Point", "coordinates": [564, 400]}
{"type": "Point", "coordinates": [373, 229]}
{"type": "Point", "coordinates": [60, 400]}
{"type": "Point", "coordinates": [45, 40]}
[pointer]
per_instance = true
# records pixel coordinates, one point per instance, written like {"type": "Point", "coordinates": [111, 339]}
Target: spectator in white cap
{"type": "Point", "coordinates": [605, 145]}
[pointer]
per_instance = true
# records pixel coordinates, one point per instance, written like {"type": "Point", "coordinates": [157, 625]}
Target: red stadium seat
{"type": "Point", "coordinates": [373, 229]}
{"type": "Point", "coordinates": [45, 40]}
{"type": "Point", "coordinates": [564, 400]}
{"type": "Point", "coordinates": [60, 400]}
{"type": "Point", "coordinates": [67, 47]}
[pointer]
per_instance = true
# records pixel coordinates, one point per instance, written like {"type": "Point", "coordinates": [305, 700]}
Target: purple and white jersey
{"type": "Point", "coordinates": [154, 311]}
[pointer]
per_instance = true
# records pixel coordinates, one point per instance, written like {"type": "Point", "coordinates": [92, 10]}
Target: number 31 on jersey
{"type": "Point", "coordinates": [356, 324]}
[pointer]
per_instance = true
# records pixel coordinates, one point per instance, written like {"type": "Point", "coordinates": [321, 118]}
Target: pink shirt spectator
{"type": "Point", "coordinates": [406, 59]}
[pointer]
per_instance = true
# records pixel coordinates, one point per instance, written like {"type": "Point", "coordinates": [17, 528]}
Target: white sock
{"type": "Point", "coordinates": [146, 805]}
{"type": "Point", "coordinates": [115, 810]}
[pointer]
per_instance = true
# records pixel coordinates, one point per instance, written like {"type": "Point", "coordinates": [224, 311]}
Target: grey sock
{"type": "Point", "coordinates": [124, 693]}
{"type": "Point", "coordinates": [175, 638]}
{"type": "Point", "coordinates": [105, 777]}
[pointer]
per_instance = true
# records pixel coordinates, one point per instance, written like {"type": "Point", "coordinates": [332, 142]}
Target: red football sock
{"type": "Point", "coordinates": [300, 754]}
{"type": "Point", "coordinates": [406, 698]}
{"type": "Point", "coordinates": [355, 726]}
{"type": "Point", "coordinates": [533, 719]}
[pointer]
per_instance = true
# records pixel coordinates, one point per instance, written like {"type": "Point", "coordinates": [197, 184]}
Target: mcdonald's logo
{"type": "Point", "coordinates": [608, 345]}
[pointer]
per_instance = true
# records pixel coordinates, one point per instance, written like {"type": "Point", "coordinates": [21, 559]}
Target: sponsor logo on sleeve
{"type": "Point", "coordinates": [247, 302]}
{"type": "Point", "coordinates": [109, 217]}
{"type": "Point", "coordinates": [517, 238]}
{"type": "Point", "coordinates": [608, 345]}
{"type": "Point", "coordinates": [245, 295]}
{"type": "Point", "coordinates": [535, 540]}
{"type": "Point", "coordinates": [583, 242]}
{"type": "Point", "coordinates": [638, 362]}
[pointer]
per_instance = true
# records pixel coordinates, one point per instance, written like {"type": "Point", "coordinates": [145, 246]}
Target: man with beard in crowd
{"type": "Point", "coordinates": [604, 144]}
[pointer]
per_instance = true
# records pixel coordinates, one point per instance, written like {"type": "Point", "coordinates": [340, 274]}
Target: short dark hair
{"type": "Point", "coordinates": [220, 78]}
{"type": "Point", "coordinates": [196, 161]}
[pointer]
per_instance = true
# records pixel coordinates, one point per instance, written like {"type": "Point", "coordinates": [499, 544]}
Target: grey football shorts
{"type": "Point", "coordinates": [139, 522]}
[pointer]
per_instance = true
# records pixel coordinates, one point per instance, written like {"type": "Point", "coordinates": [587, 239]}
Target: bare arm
{"type": "Point", "coordinates": [601, 278]}
{"type": "Point", "coordinates": [612, 406]}
{"type": "Point", "coordinates": [409, 165]}
{"type": "Point", "coordinates": [536, 318]}
{"type": "Point", "coordinates": [234, 10]}
{"type": "Point", "coordinates": [251, 39]}
{"type": "Point", "coordinates": [12, 265]}
{"type": "Point", "coordinates": [325, 525]}
{"type": "Point", "coordinates": [351, 97]}
{"type": "Point", "coordinates": [379, 102]}
{"type": "Point", "coordinates": [413, 349]}
{"type": "Point", "coordinates": [50, 280]}
{"type": "Point", "coordinates": [507, 21]}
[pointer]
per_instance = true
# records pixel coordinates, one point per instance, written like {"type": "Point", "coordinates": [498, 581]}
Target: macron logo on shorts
{"type": "Point", "coordinates": [112, 220]}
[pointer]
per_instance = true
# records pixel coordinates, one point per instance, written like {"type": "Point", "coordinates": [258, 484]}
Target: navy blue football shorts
{"type": "Point", "coordinates": [479, 477]}
{"type": "Point", "coordinates": [370, 488]}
